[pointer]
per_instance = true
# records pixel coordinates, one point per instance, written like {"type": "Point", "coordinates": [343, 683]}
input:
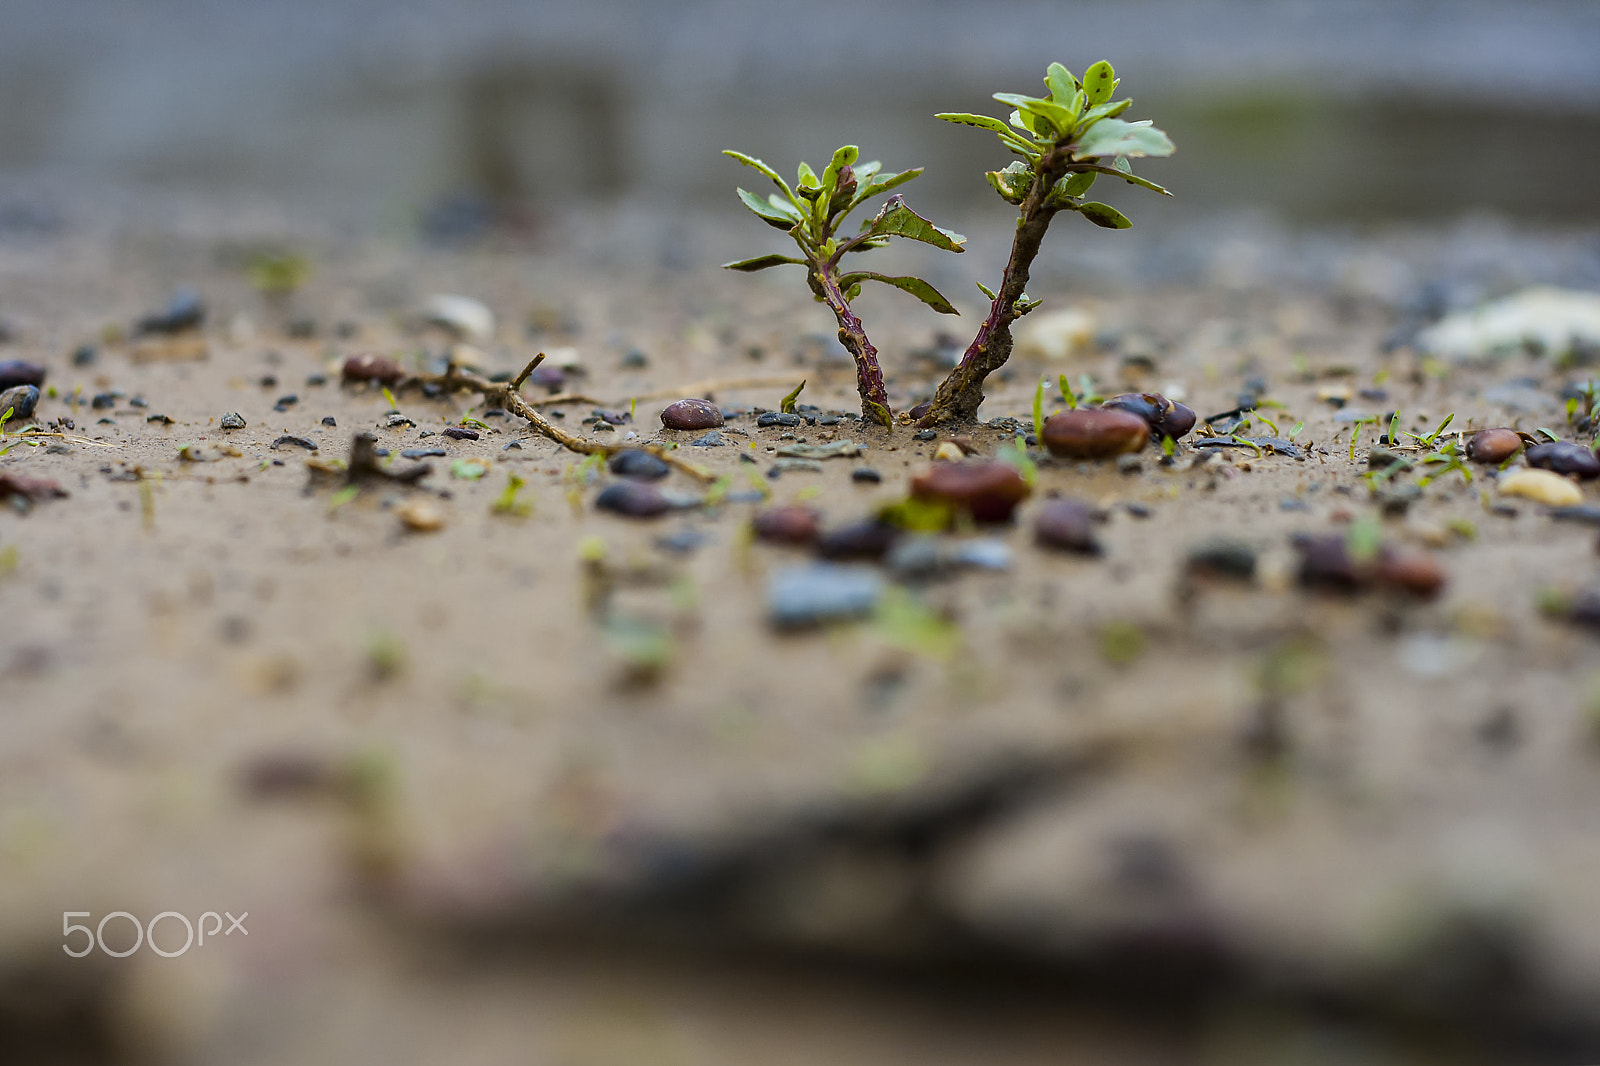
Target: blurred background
{"type": "Point", "coordinates": [377, 112]}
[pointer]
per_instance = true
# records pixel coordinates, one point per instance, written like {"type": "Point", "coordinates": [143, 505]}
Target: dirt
{"type": "Point", "coordinates": [1082, 810]}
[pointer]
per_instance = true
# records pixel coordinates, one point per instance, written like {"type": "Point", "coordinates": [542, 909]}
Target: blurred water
{"type": "Point", "coordinates": [1338, 110]}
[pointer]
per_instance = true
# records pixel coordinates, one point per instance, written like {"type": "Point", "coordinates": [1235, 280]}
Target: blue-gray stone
{"type": "Point", "coordinates": [802, 596]}
{"type": "Point", "coordinates": [20, 401]}
{"type": "Point", "coordinates": [709, 440]}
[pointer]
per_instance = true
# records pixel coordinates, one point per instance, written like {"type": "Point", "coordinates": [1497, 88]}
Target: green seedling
{"type": "Point", "coordinates": [1269, 423]}
{"type": "Point", "coordinates": [1295, 430]}
{"type": "Point", "coordinates": [385, 653]}
{"type": "Point", "coordinates": [388, 397]}
{"type": "Point", "coordinates": [718, 490]}
{"type": "Point", "coordinates": [9, 558]}
{"type": "Point", "coordinates": [903, 621]}
{"type": "Point", "coordinates": [813, 212]}
{"type": "Point", "coordinates": [1394, 430]}
{"type": "Point", "coordinates": [1548, 434]}
{"type": "Point", "coordinates": [1122, 643]}
{"type": "Point", "coordinates": [1038, 412]}
{"type": "Point", "coordinates": [1070, 397]}
{"type": "Point", "coordinates": [342, 497]}
{"type": "Point", "coordinates": [476, 423]}
{"type": "Point", "coordinates": [1169, 447]}
{"type": "Point", "coordinates": [1016, 455]}
{"type": "Point", "coordinates": [787, 404]}
{"type": "Point", "coordinates": [468, 469]}
{"type": "Point", "coordinates": [1355, 433]}
{"type": "Point", "coordinates": [1428, 440]}
{"type": "Point", "coordinates": [1063, 142]}
{"type": "Point", "coordinates": [507, 503]}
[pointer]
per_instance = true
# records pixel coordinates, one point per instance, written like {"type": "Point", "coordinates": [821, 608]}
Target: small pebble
{"type": "Point", "coordinates": [634, 360]}
{"type": "Point", "coordinates": [778, 418]}
{"type": "Point", "coordinates": [681, 541]}
{"type": "Point", "coordinates": [1231, 560]}
{"type": "Point", "coordinates": [285, 402]}
{"type": "Point", "coordinates": [1493, 446]}
{"type": "Point", "coordinates": [634, 499]}
{"type": "Point", "coordinates": [639, 465]}
{"type": "Point", "coordinates": [1564, 457]}
{"type": "Point", "coordinates": [615, 418]}
{"type": "Point", "coordinates": [103, 401]}
{"type": "Point", "coordinates": [316, 379]}
{"type": "Point", "coordinates": [921, 409]}
{"type": "Point", "coordinates": [805, 596]}
{"type": "Point", "coordinates": [1541, 486]}
{"type": "Point", "coordinates": [1095, 434]}
{"type": "Point", "coordinates": [14, 372]}
{"type": "Point", "coordinates": [421, 516]}
{"type": "Point", "coordinates": [423, 453]}
{"type": "Point", "coordinates": [85, 355]}
{"type": "Point", "coordinates": [231, 420]}
{"type": "Point", "coordinates": [298, 442]}
{"type": "Point", "coordinates": [163, 419]}
{"type": "Point", "coordinates": [926, 556]}
{"type": "Point", "coordinates": [948, 452]}
{"type": "Point", "coordinates": [1067, 525]}
{"type": "Point", "coordinates": [867, 539]}
{"type": "Point", "coordinates": [786, 525]}
{"type": "Point", "coordinates": [328, 420]}
{"type": "Point", "coordinates": [1165, 418]}
{"type": "Point", "coordinates": [139, 401]}
{"type": "Point", "coordinates": [369, 366]}
{"type": "Point", "coordinates": [460, 433]}
{"type": "Point", "coordinates": [395, 421]}
{"type": "Point", "coordinates": [989, 491]}
{"type": "Point", "coordinates": [866, 475]}
{"type": "Point", "coordinates": [691, 414]}
{"type": "Point", "coordinates": [709, 440]}
{"type": "Point", "coordinates": [20, 400]}
{"type": "Point", "coordinates": [184, 311]}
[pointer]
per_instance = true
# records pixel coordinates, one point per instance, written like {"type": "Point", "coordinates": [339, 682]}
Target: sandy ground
{"type": "Point", "coordinates": [1042, 835]}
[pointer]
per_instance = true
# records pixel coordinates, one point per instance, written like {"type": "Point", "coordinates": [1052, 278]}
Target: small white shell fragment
{"type": "Point", "coordinates": [948, 452]}
{"type": "Point", "coordinates": [468, 318]}
{"type": "Point", "coordinates": [1542, 486]}
{"type": "Point", "coordinates": [1555, 321]}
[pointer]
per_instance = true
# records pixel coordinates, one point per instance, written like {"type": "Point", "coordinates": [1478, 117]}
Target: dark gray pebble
{"type": "Point", "coordinates": [1564, 457]}
{"type": "Point", "coordinates": [1587, 513]}
{"type": "Point", "coordinates": [183, 311]}
{"type": "Point", "coordinates": [1230, 559]}
{"type": "Point", "coordinates": [423, 453]}
{"type": "Point", "coordinates": [681, 541]}
{"type": "Point", "coordinates": [709, 440]}
{"type": "Point", "coordinates": [104, 400]}
{"type": "Point", "coordinates": [635, 499]}
{"type": "Point", "coordinates": [866, 475]}
{"type": "Point", "coordinates": [1066, 525]}
{"type": "Point", "coordinates": [925, 434]}
{"type": "Point", "coordinates": [316, 379]}
{"type": "Point", "coordinates": [460, 432]}
{"type": "Point", "coordinates": [298, 442]}
{"type": "Point", "coordinates": [231, 420]}
{"type": "Point", "coordinates": [139, 401]}
{"type": "Point", "coordinates": [20, 400]}
{"type": "Point", "coordinates": [635, 360]}
{"type": "Point", "coordinates": [285, 402]}
{"type": "Point", "coordinates": [639, 465]}
{"type": "Point", "coordinates": [162, 419]}
{"type": "Point", "coordinates": [805, 596]}
{"type": "Point", "coordinates": [778, 418]}
{"type": "Point", "coordinates": [328, 420]}
{"type": "Point", "coordinates": [85, 355]}
{"type": "Point", "coordinates": [514, 446]}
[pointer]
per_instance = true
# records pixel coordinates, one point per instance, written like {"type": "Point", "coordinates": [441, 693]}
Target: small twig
{"type": "Point", "coordinates": [506, 396]}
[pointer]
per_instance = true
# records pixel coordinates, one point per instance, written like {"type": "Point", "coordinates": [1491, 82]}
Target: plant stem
{"type": "Point", "coordinates": [824, 282]}
{"type": "Point", "coordinates": [961, 392]}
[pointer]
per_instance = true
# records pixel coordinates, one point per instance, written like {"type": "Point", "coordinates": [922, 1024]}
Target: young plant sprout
{"type": "Point", "coordinates": [1064, 143]}
{"type": "Point", "coordinates": [813, 212]}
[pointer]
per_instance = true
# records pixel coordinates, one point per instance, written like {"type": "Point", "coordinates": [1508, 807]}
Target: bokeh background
{"type": "Point", "coordinates": [1321, 112]}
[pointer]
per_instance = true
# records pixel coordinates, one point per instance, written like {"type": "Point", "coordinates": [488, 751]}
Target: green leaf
{"type": "Point", "coordinates": [985, 290]}
{"type": "Point", "coordinates": [898, 220]}
{"type": "Point", "coordinates": [1061, 83]}
{"type": "Point", "coordinates": [808, 177]}
{"type": "Point", "coordinates": [915, 286]}
{"type": "Point", "coordinates": [762, 262]}
{"type": "Point", "coordinates": [1038, 411]}
{"type": "Point", "coordinates": [1110, 109]}
{"type": "Point", "coordinates": [786, 405]}
{"type": "Point", "coordinates": [879, 412]}
{"type": "Point", "coordinates": [981, 121]}
{"type": "Point", "coordinates": [1113, 136]}
{"type": "Point", "coordinates": [865, 172]}
{"type": "Point", "coordinates": [1104, 215]}
{"type": "Point", "coordinates": [1072, 186]}
{"type": "Point", "coordinates": [1013, 182]}
{"type": "Point", "coordinates": [885, 183]}
{"type": "Point", "coordinates": [843, 157]}
{"type": "Point", "coordinates": [1099, 82]}
{"type": "Point", "coordinates": [1067, 393]}
{"type": "Point", "coordinates": [1057, 115]}
{"type": "Point", "coordinates": [1133, 179]}
{"type": "Point", "coordinates": [752, 161]}
{"type": "Point", "coordinates": [765, 209]}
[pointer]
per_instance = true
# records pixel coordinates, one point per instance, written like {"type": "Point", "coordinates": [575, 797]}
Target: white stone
{"type": "Point", "coordinates": [1541, 486]}
{"type": "Point", "coordinates": [1056, 335]}
{"type": "Point", "coordinates": [468, 318]}
{"type": "Point", "coordinates": [1553, 320]}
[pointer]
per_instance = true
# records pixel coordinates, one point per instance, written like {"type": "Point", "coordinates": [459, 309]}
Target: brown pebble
{"type": "Point", "coordinates": [1413, 572]}
{"type": "Point", "coordinates": [692, 414]}
{"type": "Point", "coordinates": [13, 483]}
{"type": "Point", "coordinates": [1067, 525]}
{"type": "Point", "coordinates": [1095, 434]}
{"type": "Point", "coordinates": [369, 366]}
{"type": "Point", "coordinates": [460, 433]}
{"type": "Point", "coordinates": [988, 491]}
{"type": "Point", "coordinates": [1564, 457]}
{"type": "Point", "coordinates": [787, 525]}
{"type": "Point", "coordinates": [1493, 446]}
{"type": "Point", "coordinates": [636, 499]}
{"type": "Point", "coordinates": [421, 516]}
{"type": "Point", "coordinates": [919, 410]}
{"type": "Point", "coordinates": [1164, 417]}
{"type": "Point", "coordinates": [867, 539]}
